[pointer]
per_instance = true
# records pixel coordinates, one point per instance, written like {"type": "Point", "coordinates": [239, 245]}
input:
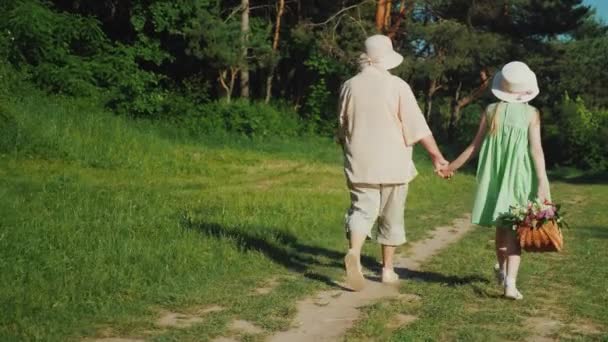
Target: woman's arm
{"type": "Point", "coordinates": [473, 148]}
{"type": "Point", "coordinates": [439, 162]}
{"type": "Point", "coordinates": [538, 158]}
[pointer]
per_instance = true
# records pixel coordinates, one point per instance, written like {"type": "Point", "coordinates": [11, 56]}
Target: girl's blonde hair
{"type": "Point", "coordinates": [494, 122]}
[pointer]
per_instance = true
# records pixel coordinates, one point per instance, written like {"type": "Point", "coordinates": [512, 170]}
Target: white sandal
{"type": "Point", "coordinates": [389, 276]}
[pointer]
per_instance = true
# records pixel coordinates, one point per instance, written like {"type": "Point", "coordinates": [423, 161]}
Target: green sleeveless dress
{"type": "Point", "coordinates": [505, 172]}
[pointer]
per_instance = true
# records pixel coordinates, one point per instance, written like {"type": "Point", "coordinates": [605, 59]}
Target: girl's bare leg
{"type": "Point", "coordinates": [501, 252]}
{"type": "Point", "coordinates": [513, 262]}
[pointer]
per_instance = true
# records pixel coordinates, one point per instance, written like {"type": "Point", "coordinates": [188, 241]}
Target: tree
{"type": "Point", "coordinates": [208, 38]}
{"type": "Point", "coordinates": [581, 70]}
{"type": "Point", "coordinates": [275, 48]}
{"type": "Point", "coordinates": [390, 14]}
{"type": "Point", "coordinates": [496, 31]}
{"type": "Point", "coordinates": [405, 7]}
{"type": "Point", "coordinates": [245, 48]}
{"type": "Point", "coordinates": [383, 10]}
{"type": "Point", "coordinates": [303, 50]}
{"type": "Point", "coordinates": [444, 53]}
{"type": "Point", "coordinates": [590, 27]}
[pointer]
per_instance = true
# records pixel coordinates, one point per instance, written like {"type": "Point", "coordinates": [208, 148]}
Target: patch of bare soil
{"type": "Point", "coordinates": [328, 315]}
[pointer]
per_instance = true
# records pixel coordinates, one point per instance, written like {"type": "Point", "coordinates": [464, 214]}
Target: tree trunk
{"type": "Point", "coordinates": [403, 12]}
{"type": "Point", "coordinates": [233, 73]}
{"type": "Point", "coordinates": [387, 15]}
{"type": "Point", "coordinates": [381, 14]}
{"type": "Point", "coordinates": [299, 10]}
{"type": "Point", "coordinates": [227, 90]}
{"type": "Point", "coordinates": [454, 112]}
{"type": "Point", "coordinates": [434, 86]}
{"type": "Point", "coordinates": [428, 107]}
{"type": "Point", "coordinates": [228, 85]}
{"type": "Point", "coordinates": [245, 47]}
{"type": "Point", "coordinates": [275, 48]}
{"type": "Point", "coordinates": [459, 103]}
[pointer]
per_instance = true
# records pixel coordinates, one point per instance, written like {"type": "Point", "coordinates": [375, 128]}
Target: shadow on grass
{"type": "Point", "coordinates": [281, 247]}
{"type": "Point", "coordinates": [488, 293]}
{"type": "Point", "coordinates": [434, 277]}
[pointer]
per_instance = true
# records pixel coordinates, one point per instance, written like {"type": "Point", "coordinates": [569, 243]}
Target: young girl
{"type": "Point", "coordinates": [511, 167]}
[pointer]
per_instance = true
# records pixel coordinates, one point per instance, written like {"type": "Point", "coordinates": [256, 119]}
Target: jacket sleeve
{"type": "Point", "coordinates": [413, 123]}
{"type": "Point", "coordinates": [344, 105]}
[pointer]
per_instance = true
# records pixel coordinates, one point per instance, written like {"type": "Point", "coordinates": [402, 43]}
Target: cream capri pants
{"type": "Point", "coordinates": [384, 203]}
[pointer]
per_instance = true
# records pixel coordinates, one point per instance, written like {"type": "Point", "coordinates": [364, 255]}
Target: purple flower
{"type": "Point", "coordinates": [546, 214]}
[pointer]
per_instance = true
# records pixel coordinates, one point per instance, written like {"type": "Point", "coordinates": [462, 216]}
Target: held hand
{"type": "Point", "coordinates": [543, 192]}
{"type": "Point", "coordinates": [440, 163]}
{"type": "Point", "coordinates": [446, 172]}
{"type": "Point", "coordinates": [442, 168]}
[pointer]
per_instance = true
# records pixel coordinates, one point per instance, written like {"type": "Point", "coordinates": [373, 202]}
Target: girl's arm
{"type": "Point", "coordinates": [473, 148]}
{"type": "Point", "coordinates": [538, 158]}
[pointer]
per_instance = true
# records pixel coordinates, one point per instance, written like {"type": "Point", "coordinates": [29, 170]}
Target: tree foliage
{"type": "Point", "coordinates": [141, 56]}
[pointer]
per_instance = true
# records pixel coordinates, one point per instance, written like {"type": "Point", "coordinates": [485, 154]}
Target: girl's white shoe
{"type": "Point", "coordinates": [513, 293]}
{"type": "Point", "coordinates": [389, 276]}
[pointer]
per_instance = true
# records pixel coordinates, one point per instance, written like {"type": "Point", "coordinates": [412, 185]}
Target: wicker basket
{"type": "Point", "coordinates": [542, 238]}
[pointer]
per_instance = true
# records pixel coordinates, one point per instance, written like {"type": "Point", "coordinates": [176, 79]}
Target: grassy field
{"type": "Point", "coordinates": [107, 222]}
{"type": "Point", "coordinates": [566, 295]}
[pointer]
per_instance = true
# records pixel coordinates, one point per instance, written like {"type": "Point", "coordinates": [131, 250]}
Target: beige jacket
{"type": "Point", "coordinates": [380, 121]}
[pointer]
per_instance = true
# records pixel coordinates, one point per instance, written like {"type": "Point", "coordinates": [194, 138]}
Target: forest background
{"type": "Point", "coordinates": [273, 68]}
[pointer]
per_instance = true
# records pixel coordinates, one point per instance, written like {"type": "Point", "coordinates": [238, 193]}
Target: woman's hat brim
{"type": "Point", "coordinates": [512, 97]}
{"type": "Point", "coordinates": [391, 61]}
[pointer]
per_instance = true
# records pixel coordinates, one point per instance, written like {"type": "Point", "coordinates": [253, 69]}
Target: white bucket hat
{"type": "Point", "coordinates": [379, 52]}
{"type": "Point", "coordinates": [515, 83]}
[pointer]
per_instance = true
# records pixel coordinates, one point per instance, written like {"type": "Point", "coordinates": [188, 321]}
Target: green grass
{"type": "Point", "coordinates": [463, 303]}
{"type": "Point", "coordinates": [106, 222]}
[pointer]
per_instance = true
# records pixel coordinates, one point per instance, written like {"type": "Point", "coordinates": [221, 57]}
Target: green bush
{"type": "Point", "coordinates": [576, 135]}
{"type": "Point", "coordinates": [6, 71]}
{"type": "Point", "coordinates": [467, 125]}
{"type": "Point", "coordinates": [79, 130]}
{"type": "Point", "coordinates": [10, 131]}
{"type": "Point", "coordinates": [70, 54]}
{"type": "Point", "coordinates": [54, 47]}
{"type": "Point", "coordinates": [320, 105]}
{"type": "Point", "coordinates": [251, 119]}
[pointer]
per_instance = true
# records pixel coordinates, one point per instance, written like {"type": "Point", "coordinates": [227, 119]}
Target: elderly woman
{"type": "Point", "coordinates": [380, 121]}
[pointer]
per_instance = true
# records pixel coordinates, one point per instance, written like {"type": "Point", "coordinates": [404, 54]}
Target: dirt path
{"type": "Point", "coordinates": [328, 315]}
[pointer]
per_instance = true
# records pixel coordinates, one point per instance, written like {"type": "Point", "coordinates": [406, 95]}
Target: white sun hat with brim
{"type": "Point", "coordinates": [379, 52]}
{"type": "Point", "coordinates": [515, 83]}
